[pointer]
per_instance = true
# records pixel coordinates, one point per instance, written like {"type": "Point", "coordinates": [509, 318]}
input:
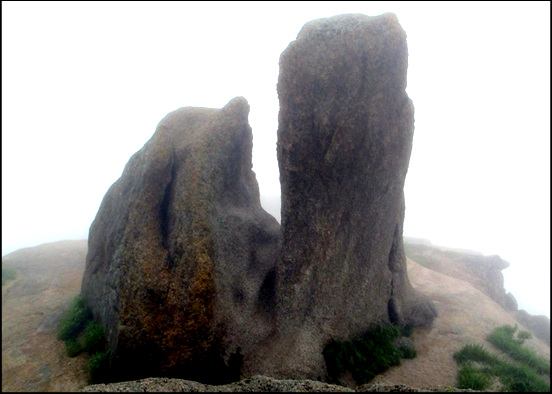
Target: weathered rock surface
{"type": "Point", "coordinates": [344, 140]}
{"type": "Point", "coordinates": [254, 384]}
{"type": "Point", "coordinates": [181, 256]}
{"type": "Point", "coordinates": [189, 274]}
{"type": "Point", "coordinates": [483, 272]}
{"type": "Point", "coordinates": [539, 325]}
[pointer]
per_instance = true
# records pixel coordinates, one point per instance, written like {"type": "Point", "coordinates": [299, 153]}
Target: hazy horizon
{"type": "Point", "coordinates": [84, 86]}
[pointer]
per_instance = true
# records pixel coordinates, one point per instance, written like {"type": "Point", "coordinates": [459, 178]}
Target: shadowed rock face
{"type": "Point", "coordinates": [181, 259]}
{"type": "Point", "coordinates": [344, 141]}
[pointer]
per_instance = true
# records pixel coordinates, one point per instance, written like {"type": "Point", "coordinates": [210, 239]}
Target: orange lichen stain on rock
{"type": "Point", "coordinates": [192, 337]}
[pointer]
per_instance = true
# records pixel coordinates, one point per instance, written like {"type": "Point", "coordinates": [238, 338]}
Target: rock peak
{"type": "Point", "coordinates": [346, 23]}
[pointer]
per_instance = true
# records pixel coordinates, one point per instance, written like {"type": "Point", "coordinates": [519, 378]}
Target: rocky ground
{"type": "Point", "coordinates": [254, 384]}
{"type": "Point", "coordinates": [49, 276]}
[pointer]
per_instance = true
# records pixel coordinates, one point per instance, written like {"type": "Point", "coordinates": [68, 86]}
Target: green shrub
{"type": "Point", "coordinates": [73, 347]}
{"type": "Point", "coordinates": [365, 357]}
{"type": "Point", "coordinates": [469, 377]}
{"type": "Point", "coordinates": [8, 273]}
{"type": "Point", "coordinates": [94, 337]}
{"type": "Point", "coordinates": [508, 330]}
{"type": "Point", "coordinates": [98, 367]}
{"type": "Point", "coordinates": [523, 335]}
{"type": "Point", "coordinates": [74, 321]}
{"type": "Point", "coordinates": [475, 352]}
{"type": "Point", "coordinates": [522, 378]}
{"type": "Point", "coordinates": [83, 334]}
{"type": "Point", "coordinates": [91, 340]}
{"type": "Point", "coordinates": [503, 339]}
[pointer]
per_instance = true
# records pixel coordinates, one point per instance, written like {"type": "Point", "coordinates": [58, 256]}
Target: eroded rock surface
{"type": "Point", "coordinates": [254, 384]}
{"type": "Point", "coordinates": [538, 324]}
{"type": "Point", "coordinates": [180, 268]}
{"type": "Point", "coordinates": [483, 272]}
{"type": "Point", "coordinates": [190, 276]}
{"type": "Point", "coordinates": [344, 140]}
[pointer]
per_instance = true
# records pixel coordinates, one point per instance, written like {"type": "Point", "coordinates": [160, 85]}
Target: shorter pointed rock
{"type": "Point", "coordinates": [181, 256]}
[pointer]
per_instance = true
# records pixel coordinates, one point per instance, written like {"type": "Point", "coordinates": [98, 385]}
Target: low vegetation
{"type": "Point", "coordinates": [75, 320]}
{"type": "Point", "coordinates": [98, 365]}
{"type": "Point", "coordinates": [478, 367]}
{"type": "Point", "coordinates": [8, 273]}
{"type": "Point", "coordinates": [83, 334]}
{"type": "Point", "coordinates": [503, 339]}
{"type": "Point", "coordinates": [365, 357]}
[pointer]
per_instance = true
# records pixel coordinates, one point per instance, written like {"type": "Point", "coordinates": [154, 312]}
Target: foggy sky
{"type": "Point", "coordinates": [84, 85]}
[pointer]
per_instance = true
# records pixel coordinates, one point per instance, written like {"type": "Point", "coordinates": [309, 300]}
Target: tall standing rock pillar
{"type": "Point", "coordinates": [344, 140]}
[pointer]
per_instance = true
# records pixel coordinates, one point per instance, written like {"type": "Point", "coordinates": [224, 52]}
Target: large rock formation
{"type": "Point", "coordinates": [180, 268]}
{"type": "Point", "coordinates": [189, 275]}
{"type": "Point", "coordinates": [344, 140]}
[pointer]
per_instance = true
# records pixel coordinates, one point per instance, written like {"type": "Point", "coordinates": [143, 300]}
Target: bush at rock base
{"type": "Point", "coordinates": [366, 356]}
{"type": "Point", "coordinates": [93, 337]}
{"type": "Point", "coordinates": [98, 366]}
{"type": "Point", "coordinates": [83, 334]}
{"type": "Point", "coordinates": [74, 320]}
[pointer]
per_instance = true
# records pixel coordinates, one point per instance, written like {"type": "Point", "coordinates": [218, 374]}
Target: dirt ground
{"type": "Point", "coordinates": [49, 277]}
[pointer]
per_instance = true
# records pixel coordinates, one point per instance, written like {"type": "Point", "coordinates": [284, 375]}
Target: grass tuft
{"type": "Point", "coordinates": [366, 356]}
{"type": "Point", "coordinates": [475, 352]}
{"type": "Point", "coordinates": [472, 378]}
{"type": "Point", "coordinates": [98, 366]}
{"type": "Point", "coordinates": [74, 321]}
{"type": "Point", "coordinates": [83, 334]}
{"type": "Point", "coordinates": [73, 347]}
{"type": "Point", "coordinates": [94, 337]}
{"type": "Point", "coordinates": [503, 339]}
{"type": "Point", "coordinates": [519, 378]}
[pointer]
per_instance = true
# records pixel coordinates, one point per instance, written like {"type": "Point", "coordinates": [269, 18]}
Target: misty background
{"type": "Point", "coordinates": [84, 85]}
